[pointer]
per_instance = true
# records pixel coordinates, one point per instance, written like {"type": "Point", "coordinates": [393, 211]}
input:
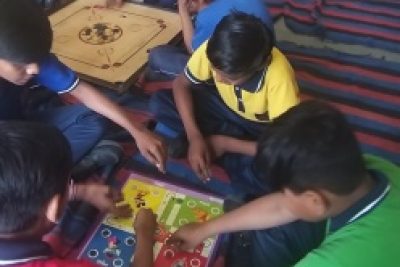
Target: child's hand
{"type": "Point", "coordinates": [188, 236]}
{"type": "Point", "coordinates": [104, 198]}
{"type": "Point", "coordinates": [183, 5]}
{"type": "Point", "coordinates": [145, 223]}
{"type": "Point", "coordinates": [152, 147]}
{"type": "Point", "coordinates": [199, 158]}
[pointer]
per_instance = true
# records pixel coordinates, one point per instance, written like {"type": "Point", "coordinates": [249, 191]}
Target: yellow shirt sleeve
{"type": "Point", "coordinates": [198, 68]}
{"type": "Point", "coordinates": [283, 91]}
{"type": "Point", "coordinates": [282, 97]}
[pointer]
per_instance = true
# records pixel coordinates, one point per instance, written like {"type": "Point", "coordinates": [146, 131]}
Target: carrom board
{"type": "Point", "coordinates": [113, 241]}
{"type": "Point", "coordinates": [110, 45]}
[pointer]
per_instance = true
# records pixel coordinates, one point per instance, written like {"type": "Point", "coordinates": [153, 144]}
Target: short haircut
{"type": "Point", "coordinates": [240, 44]}
{"type": "Point", "coordinates": [311, 147]}
{"type": "Point", "coordinates": [35, 162]}
{"type": "Point", "coordinates": [25, 31]}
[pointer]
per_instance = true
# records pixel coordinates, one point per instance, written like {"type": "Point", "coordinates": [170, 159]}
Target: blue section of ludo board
{"type": "Point", "coordinates": [110, 247]}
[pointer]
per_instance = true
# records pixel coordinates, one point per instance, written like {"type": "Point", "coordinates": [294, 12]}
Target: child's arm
{"type": "Point", "coordinates": [187, 25]}
{"type": "Point", "coordinates": [265, 212]}
{"type": "Point", "coordinates": [198, 154]}
{"type": "Point", "coordinates": [221, 144]}
{"type": "Point", "coordinates": [145, 227]}
{"type": "Point", "coordinates": [150, 145]}
{"type": "Point", "coordinates": [103, 197]}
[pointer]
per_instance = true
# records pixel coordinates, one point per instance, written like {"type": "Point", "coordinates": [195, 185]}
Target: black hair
{"type": "Point", "coordinates": [311, 147]}
{"type": "Point", "coordinates": [25, 31]}
{"type": "Point", "coordinates": [240, 44]}
{"type": "Point", "coordinates": [35, 162]}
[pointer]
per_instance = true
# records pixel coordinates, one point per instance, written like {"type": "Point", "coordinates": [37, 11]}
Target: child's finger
{"type": "Point", "coordinates": [116, 195]}
{"type": "Point", "coordinates": [153, 160]}
{"type": "Point", "coordinates": [122, 211]}
{"type": "Point", "coordinates": [203, 170]}
{"type": "Point", "coordinates": [160, 167]}
{"type": "Point", "coordinates": [206, 170]}
{"type": "Point", "coordinates": [197, 169]}
{"type": "Point", "coordinates": [160, 157]}
{"type": "Point", "coordinates": [150, 157]}
{"type": "Point", "coordinates": [174, 241]}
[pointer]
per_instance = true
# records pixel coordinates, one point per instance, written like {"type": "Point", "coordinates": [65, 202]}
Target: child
{"type": "Point", "coordinates": [34, 186]}
{"type": "Point", "coordinates": [25, 60]}
{"type": "Point", "coordinates": [328, 206]}
{"type": "Point", "coordinates": [167, 61]}
{"type": "Point", "coordinates": [240, 81]}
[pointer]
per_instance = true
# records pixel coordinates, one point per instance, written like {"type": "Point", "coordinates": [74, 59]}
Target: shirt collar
{"type": "Point", "coordinates": [364, 205]}
{"type": "Point", "coordinates": [255, 82]}
{"type": "Point", "coordinates": [20, 251]}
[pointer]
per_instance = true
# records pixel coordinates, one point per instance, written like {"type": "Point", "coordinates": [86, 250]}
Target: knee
{"type": "Point", "coordinates": [157, 56]}
{"type": "Point", "coordinates": [93, 123]}
{"type": "Point", "coordinates": [98, 126]}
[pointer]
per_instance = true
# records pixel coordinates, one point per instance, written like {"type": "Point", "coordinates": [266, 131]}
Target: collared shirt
{"type": "Point", "coordinates": [265, 96]}
{"type": "Point", "coordinates": [367, 234]}
{"type": "Point", "coordinates": [363, 206]}
{"type": "Point", "coordinates": [53, 75]}
{"type": "Point", "coordinates": [26, 253]}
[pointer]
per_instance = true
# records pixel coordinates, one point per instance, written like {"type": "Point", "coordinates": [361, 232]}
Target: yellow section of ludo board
{"type": "Point", "coordinates": [110, 44]}
{"type": "Point", "coordinates": [138, 195]}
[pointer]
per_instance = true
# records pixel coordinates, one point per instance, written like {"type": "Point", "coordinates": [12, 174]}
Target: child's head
{"type": "Point", "coordinates": [240, 46]}
{"type": "Point", "coordinates": [25, 39]}
{"type": "Point", "coordinates": [35, 162]}
{"type": "Point", "coordinates": [311, 154]}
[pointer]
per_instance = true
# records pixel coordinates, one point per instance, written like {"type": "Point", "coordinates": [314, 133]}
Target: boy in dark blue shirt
{"type": "Point", "coordinates": [26, 61]}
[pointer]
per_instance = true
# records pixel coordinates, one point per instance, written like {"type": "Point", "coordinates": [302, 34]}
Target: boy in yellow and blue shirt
{"type": "Point", "coordinates": [232, 87]}
{"type": "Point", "coordinates": [199, 19]}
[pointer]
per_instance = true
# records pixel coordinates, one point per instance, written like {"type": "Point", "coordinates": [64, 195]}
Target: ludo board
{"type": "Point", "coordinates": [113, 242]}
{"type": "Point", "coordinates": [110, 45]}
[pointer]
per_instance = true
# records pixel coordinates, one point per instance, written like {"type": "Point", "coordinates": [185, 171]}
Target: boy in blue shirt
{"type": "Point", "coordinates": [167, 61]}
{"type": "Point", "coordinates": [26, 61]}
{"type": "Point", "coordinates": [34, 188]}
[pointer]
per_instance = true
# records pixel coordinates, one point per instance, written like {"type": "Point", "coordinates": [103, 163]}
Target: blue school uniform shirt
{"type": "Point", "coordinates": [53, 75]}
{"type": "Point", "coordinates": [208, 18]}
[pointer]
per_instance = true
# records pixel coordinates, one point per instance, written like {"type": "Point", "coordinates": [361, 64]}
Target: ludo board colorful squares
{"type": "Point", "coordinates": [113, 242]}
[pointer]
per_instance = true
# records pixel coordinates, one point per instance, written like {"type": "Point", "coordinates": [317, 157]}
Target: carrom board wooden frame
{"type": "Point", "coordinates": [109, 46]}
{"type": "Point", "coordinates": [163, 198]}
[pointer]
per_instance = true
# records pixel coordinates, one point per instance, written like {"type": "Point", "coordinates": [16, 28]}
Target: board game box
{"type": "Point", "coordinates": [113, 241]}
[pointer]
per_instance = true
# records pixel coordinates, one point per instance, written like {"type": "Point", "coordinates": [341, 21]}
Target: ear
{"type": "Point", "coordinates": [316, 203]}
{"type": "Point", "coordinates": [53, 209]}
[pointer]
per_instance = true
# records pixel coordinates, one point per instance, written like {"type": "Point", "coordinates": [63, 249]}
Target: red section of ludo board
{"type": "Point", "coordinates": [113, 241]}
